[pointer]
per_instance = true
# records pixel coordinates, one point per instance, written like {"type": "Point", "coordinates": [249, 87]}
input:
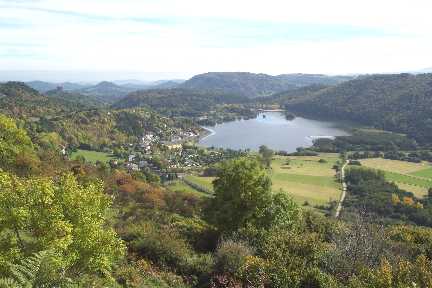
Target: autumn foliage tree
{"type": "Point", "coordinates": [62, 216]}
{"type": "Point", "coordinates": [16, 148]}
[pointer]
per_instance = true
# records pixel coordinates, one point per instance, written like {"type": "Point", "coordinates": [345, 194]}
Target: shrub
{"type": "Point", "coordinates": [231, 257]}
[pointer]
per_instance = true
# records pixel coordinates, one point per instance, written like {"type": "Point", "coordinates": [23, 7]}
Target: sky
{"type": "Point", "coordinates": [89, 40]}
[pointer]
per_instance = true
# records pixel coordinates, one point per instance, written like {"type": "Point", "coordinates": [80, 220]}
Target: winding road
{"type": "Point", "coordinates": [344, 188]}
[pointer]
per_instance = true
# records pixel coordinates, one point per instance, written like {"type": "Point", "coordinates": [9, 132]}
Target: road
{"type": "Point", "coordinates": [344, 188]}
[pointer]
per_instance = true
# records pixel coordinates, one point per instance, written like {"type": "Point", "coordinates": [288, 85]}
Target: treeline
{"type": "Point", "coordinates": [366, 140]}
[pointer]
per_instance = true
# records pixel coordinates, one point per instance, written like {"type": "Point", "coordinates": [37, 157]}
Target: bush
{"type": "Point", "coordinates": [231, 257]}
{"type": "Point", "coordinates": [183, 203]}
{"type": "Point", "coordinates": [143, 274]}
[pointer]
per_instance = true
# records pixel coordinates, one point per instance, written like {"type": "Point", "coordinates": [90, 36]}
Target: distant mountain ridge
{"type": "Point", "coordinates": [43, 86]}
{"type": "Point", "coordinates": [257, 85]}
{"type": "Point", "coordinates": [104, 91]}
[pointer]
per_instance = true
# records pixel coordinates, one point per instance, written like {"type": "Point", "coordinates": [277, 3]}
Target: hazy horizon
{"type": "Point", "coordinates": [91, 77]}
{"type": "Point", "coordinates": [186, 38]}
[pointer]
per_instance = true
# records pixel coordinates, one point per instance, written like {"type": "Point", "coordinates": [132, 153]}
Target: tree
{"type": "Point", "coordinates": [266, 154]}
{"type": "Point", "coordinates": [242, 193]}
{"type": "Point", "coordinates": [16, 148]}
{"type": "Point", "coordinates": [62, 216]}
{"type": "Point", "coordinates": [243, 199]}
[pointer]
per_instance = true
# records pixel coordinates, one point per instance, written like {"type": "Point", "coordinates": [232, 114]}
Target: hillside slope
{"type": "Point", "coordinates": [177, 102]}
{"type": "Point", "coordinates": [75, 99]}
{"type": "Point", "coordinates": [401, 103]}
{"type": "Point", "coordinates": [19, 100]}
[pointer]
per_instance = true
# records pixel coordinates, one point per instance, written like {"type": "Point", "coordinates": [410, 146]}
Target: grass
{"type": "Point", "coordinates": [205, 182]}
{"type": "Point", "coordinates": [181, 186]}
{"type": "Point", "coordinates": [425, 173]}
{"type": "Point", "coordinates": [412, 177]}
{"type": "Point", "coordinates": [396, 166]}
{"type": "Point", "coordinates": [93, 156]}
{"type": "Point", "coordinates": [416, 190]}
{"type": "Point", "coordinates": [408, 179]}
{"type": "Point", "coordinates": [304, 178]}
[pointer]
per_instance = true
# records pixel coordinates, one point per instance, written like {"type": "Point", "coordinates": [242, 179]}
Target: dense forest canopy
{"type": "Point", "coordinates": [178, 102]}
{"type": "Point", "coordinates": [400, 102]}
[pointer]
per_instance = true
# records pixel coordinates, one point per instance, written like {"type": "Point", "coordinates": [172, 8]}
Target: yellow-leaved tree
{"type": "Point", "coordinates": [62, 216]}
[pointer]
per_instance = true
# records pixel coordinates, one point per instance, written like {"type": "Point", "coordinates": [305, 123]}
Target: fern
{"type": "Point", "coordinates": [8, 283]}
{"type": "Point", "coordinates": [27, 273]}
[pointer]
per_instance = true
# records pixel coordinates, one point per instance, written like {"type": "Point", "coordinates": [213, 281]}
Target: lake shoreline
{"type": "Point", "coordinates": [274, 131]}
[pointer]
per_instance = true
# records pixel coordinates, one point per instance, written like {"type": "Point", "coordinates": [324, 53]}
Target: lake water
{"type": "Point", "coordinates": [273, 130]}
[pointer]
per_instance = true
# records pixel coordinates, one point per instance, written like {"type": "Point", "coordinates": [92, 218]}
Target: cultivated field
{"type": "Point", "coordinates": [307, 179]}
{"type": "Point", "coordinates": [413, 177]}
{"type": "Point", "coordinates": [402, 167]}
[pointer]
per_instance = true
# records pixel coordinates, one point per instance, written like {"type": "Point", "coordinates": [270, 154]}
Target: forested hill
{"type": "Point", "coordinates": [256, 85]}
{"type": "Point", "coordinates": [19, 100]}
{"type": "Point", "coordinates": [106, 91]}
{"type": "Point", "coordinates": [178, 101]}
{"type": "Point", "coordinates": [401, 102]}
{"type": "Point", "coordinates": [71, 98]}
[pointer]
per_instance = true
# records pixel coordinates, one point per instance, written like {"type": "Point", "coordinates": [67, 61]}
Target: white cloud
{"type": "Point", "coordinates": [180, 36]}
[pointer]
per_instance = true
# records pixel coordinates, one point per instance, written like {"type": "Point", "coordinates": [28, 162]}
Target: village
{"type": "Point", "coordinates": [174, 157]}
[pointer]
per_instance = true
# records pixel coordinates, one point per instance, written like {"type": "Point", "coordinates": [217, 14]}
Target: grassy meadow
{"type": "Point", "coordinates": [302, 177]}
{"type": "Point", "coordinates": [93, 156]}
{"type": "Point", "coordinates": [305, 178]}
{"type": "Point", "coordinates": [413, 177]}
{"type": "Point", "coordinates": [179, 185]}
{"type": "Point", "coordinates": [205, 182]}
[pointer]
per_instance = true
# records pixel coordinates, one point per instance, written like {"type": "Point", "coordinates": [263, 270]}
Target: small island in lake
{"type": "Point", "coordinates": [289, 116]}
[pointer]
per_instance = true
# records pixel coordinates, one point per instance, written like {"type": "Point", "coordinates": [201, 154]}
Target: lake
{"type": "Point", "coordinates": [273, 130]}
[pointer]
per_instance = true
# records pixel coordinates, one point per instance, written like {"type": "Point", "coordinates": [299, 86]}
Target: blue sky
{"type": "Point", "coordinates": [149, 39]}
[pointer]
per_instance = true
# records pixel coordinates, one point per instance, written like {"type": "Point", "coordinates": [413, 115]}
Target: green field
{"type": "Point", "coordinates": [181, 186]}
{"type": "Point", "coordinates": [205, 182]}
{"type": "Point", "coordinates": [425, 173]}
{"type": "Point", "coordinates": [402, 167]}
{"type": "Point", "coordinates": [408, 179]}
{"type": "Point", "coordinates": [304, 178]}
{"type": "Point", "coordinates": [93, 156]}
{"type": "Point", "coordinates": [412, 177]}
